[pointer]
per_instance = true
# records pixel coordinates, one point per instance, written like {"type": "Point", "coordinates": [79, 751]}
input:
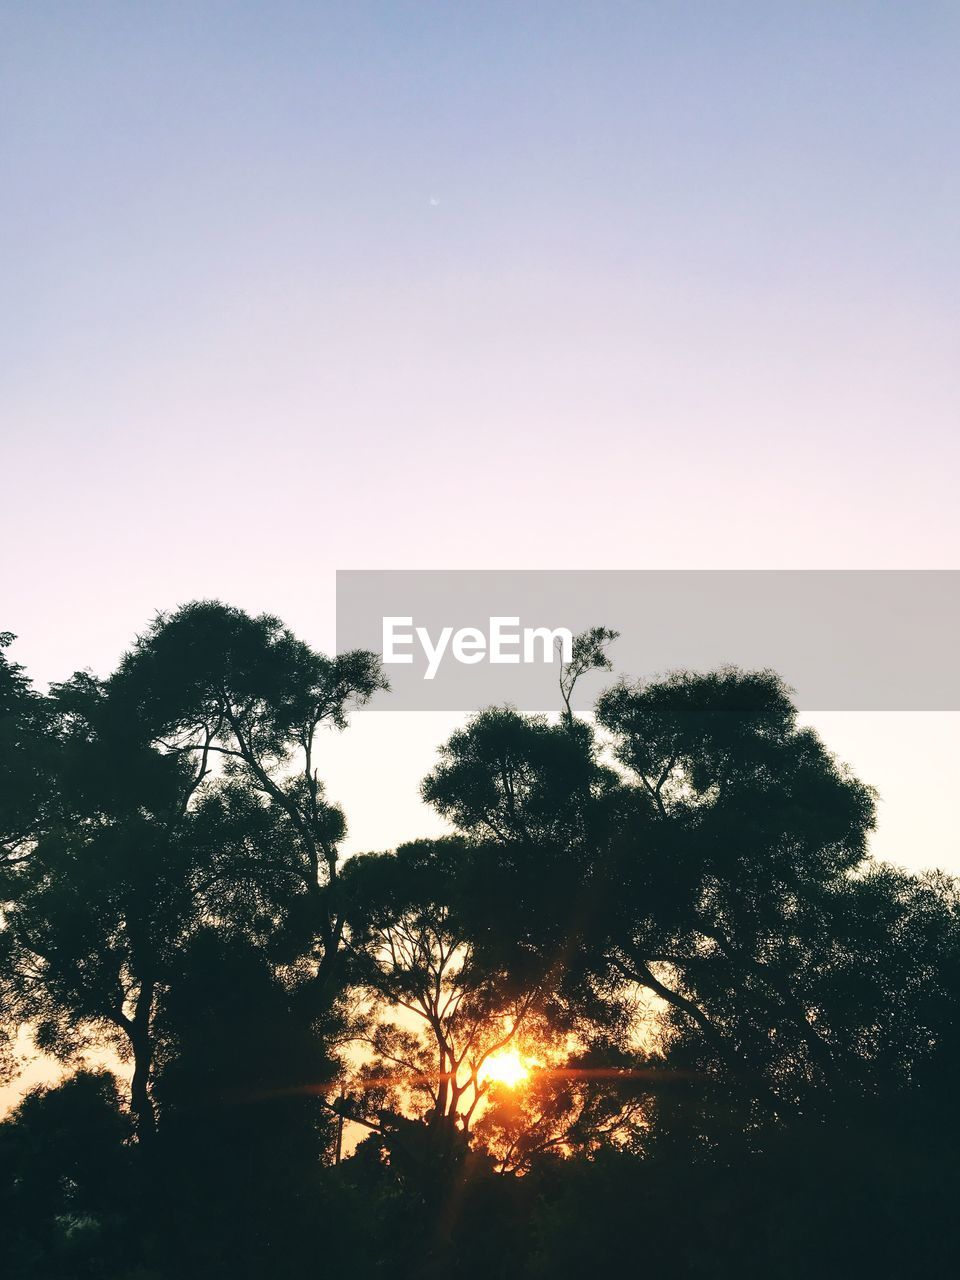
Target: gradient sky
{"type": "Point", "coordinates": [292, 287]}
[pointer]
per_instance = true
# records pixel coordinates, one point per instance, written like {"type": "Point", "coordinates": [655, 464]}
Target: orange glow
{"type": "Point", "coordinates": [506, 1067]}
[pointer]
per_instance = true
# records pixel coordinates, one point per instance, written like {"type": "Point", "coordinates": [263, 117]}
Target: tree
{"type": "Point", "coordinates": [211, 683]}
{"type": "Point", "coordinates": [720, 868]}
{"type": "Point", "coordinates": [537, 798]}
{"type": "Point", "coordinates": [25, 751]}
{"type": "Point", "coordinates": [751, 833]}
{"type": "Point", "coordinates": [439, 1016]}
{"type": "Point", "coordinates": [243, 1131]}
{"type": "Point", "coordinates": [575, 1103]}
{"type": "Point", "coordinates": [737, 1033]}
{"type": "Point", "coordinates": [65, 1181]}
{"type": "Point", "coordinates": [145, 838]}
{"type": "Point", "coordinates": [109, 892]}
{"type": "Point", "coordinates": [588, 653]}
{"type": "Point", "coordinates": [24, 783]}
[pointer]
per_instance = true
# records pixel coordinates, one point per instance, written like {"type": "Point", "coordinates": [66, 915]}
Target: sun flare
{"type": "Point", "coordinates": [506, 1067]}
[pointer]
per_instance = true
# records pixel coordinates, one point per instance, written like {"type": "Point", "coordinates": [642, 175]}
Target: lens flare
{"type": "Point", "coordinates": [506, 1067]}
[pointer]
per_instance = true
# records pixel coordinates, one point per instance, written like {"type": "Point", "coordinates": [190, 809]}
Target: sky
{"type": "Point", "coordinates": [297, 287]}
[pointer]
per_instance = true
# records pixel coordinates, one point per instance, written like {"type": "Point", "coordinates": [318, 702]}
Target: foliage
{"type": "Point", "coordinates": [731, 1034]}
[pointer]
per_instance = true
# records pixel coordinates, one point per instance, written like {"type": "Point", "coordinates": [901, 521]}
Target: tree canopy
{"type": "Point", "coordinates": [651, 973]}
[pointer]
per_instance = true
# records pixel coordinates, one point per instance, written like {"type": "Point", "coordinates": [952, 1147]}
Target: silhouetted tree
{"type": "Point", "coordinates": [243, 1132]}
{"type": "Point", "coordinates": [65, 1181]}
{"type": "Point", "coordinates": [211, 683]}
{"type": "Point", "coordinates": [108, 893]}
{"type": "Point", "coordinates": [574, 1103]}
{"type": "Point", "coordinates": [754, 915]}
{"type": "Point", "coordinates": [741, 1032]}
{"type": "Point", "coordinates": [25, 760]}
{"type": "Point", "coordinates": [438, 1015]}
{"type": "Point", "coordinates": [147, 839]}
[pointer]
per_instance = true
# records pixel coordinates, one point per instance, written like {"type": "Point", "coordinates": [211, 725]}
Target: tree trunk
{"type": "Point", "coordinates": [141, 1041]}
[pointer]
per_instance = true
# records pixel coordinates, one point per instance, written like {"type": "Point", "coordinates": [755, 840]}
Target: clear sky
{"type": "Point", "coordinates": [292, 287]}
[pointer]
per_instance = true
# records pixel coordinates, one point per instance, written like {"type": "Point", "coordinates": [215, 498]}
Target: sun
{"type": "Point", "coordinates": [506, 1067]}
